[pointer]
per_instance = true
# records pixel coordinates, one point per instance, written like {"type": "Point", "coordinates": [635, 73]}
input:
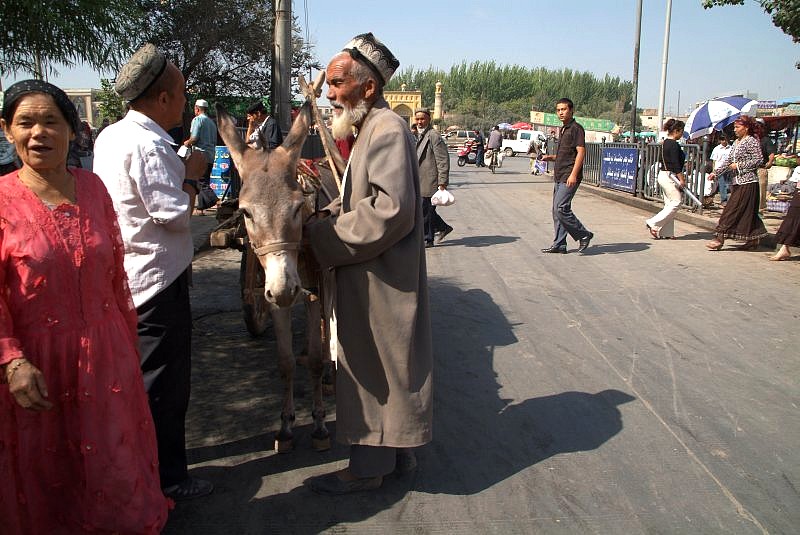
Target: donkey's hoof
{"type": "Point", "coordinates": [321, 444]}
{"type": "Point", "coordinates": [283, 446]}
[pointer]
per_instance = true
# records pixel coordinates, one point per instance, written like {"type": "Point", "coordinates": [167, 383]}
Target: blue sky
{"type": "Point", "coordinates": [721, 50]}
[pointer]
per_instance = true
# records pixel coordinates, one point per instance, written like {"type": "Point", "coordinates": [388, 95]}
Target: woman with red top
{"type": "Point", "coordinates": [739, 219]}
{"type": "Point", "coordinates": [77, 440]}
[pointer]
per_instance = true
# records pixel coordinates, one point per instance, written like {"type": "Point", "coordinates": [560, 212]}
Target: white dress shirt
{"type": "Point", "coordinates": [144, 176]}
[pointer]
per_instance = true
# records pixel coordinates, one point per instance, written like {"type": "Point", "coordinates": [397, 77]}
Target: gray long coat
{"type": "Point", "coordinates": [374, 241]}
{"type": "Point", "coordinates": [434, 162]}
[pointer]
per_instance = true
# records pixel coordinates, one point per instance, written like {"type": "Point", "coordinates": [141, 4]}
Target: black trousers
{"type": "Point", "coordinates": [165, 344]}
{"type": "Point", "coordinates": [431, 221]}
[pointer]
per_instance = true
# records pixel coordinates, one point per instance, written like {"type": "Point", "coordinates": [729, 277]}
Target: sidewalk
{"type": "Point", "coordinates": [707, 220]}
{"type": "Point", "coordinates": [202, 225]}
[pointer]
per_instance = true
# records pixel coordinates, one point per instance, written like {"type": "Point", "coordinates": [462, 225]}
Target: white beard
{"type": "Point", "coordinates": [342, 126]}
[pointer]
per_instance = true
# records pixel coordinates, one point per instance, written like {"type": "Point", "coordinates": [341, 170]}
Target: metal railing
{"type": "Point", "coordinates": [649, 163]}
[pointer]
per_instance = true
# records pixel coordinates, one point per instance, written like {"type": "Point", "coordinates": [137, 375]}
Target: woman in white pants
{"type": "Point", "coordinates": [662, 225]}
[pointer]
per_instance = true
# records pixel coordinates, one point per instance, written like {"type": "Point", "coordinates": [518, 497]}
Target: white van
{"type": "Point", "coordinates": [521, 141]}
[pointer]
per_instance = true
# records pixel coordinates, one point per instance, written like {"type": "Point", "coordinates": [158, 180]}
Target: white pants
{"type": "Point", "coordinates": [664, 221]}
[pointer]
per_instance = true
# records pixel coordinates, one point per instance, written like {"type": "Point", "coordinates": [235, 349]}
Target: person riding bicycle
{"type": "Point", "coordinates": [495, 142]}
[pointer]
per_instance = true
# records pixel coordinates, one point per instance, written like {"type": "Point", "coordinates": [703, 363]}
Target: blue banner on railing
{"type": "Point", "coordinates": [618, 168]}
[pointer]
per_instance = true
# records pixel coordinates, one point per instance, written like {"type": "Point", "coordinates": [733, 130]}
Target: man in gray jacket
{"type": "Point", "coordinates": [373, 240]}
{"type": "Point", "coordinates": [434, 174]}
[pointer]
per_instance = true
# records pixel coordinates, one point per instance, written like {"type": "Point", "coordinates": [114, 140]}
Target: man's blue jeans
{"type": "Point", "coordinates": [479, 155]}
{"type": "Point", "coordinates": [564, 220]}
{"type": "Point", "coordinates": [722, 184]}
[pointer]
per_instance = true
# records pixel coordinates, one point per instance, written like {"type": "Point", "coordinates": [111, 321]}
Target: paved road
{"type": "Point", "coordinates": [642, 387]}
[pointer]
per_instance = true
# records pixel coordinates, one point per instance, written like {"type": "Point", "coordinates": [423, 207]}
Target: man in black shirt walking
{"type": "Point", "coordinates": [567, 174]}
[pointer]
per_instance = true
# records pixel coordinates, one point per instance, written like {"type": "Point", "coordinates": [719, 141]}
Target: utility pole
{"type": "Point", "coordinates": [636, 41]}
{"type": "Point", "coordinates": [282, 65]}
{"type": "Point", "coordinates": [662, 93]}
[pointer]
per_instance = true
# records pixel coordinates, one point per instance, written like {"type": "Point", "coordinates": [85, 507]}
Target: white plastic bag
{"type": "Point", "coordinates": [442, 197]}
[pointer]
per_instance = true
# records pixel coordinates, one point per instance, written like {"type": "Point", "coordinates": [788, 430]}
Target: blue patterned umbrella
{"type": "Point", "coordinates": [718, 113]}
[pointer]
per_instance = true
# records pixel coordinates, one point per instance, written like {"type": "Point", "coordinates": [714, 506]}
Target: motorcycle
{"type": "Point", "coordinates": [467, 154]}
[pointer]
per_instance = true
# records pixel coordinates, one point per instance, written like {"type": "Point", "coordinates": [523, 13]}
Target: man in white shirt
{"type": "Point", "coordinates": [719, 153]}
{"type": "Point", "coordinates": [136, 160]}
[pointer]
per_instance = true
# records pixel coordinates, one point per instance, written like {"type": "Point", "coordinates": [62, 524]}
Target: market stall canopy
{"type": "Point", "coordinates": [505, 126]}
{"type": "Point", "coordinates": [781, 122]}
{"type": "Point", "coordinates": [718, 113]}
{"type": "Point", "coordinates": [521, 126]}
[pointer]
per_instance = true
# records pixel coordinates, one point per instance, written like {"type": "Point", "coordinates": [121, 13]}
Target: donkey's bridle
{"type": "Point", "coordinates": [275, 246]}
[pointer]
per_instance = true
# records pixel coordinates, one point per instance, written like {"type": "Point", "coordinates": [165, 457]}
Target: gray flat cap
{"type": "Point", "coordinates": [140, 73]}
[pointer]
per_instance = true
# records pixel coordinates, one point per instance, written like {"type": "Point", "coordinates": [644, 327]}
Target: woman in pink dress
{"type": "Point", "coordinates": [77, 444]}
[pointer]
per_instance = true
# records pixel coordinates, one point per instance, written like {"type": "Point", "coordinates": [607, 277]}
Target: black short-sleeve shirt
{"type": "Point", "coordinates": [572, 136]}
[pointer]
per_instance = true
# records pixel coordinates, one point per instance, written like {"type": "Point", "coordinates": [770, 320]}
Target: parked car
{"type": "Point", "coordinates": [522, 141]}
{"type": "Point", "coordinates": [457, 138]}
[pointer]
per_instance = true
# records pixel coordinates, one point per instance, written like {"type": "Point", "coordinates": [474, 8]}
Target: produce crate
{"type": "Point", "coordinates": [777, 206]}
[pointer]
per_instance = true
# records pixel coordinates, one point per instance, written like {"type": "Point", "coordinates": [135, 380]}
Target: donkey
{"type": "Point", "coordinates": [272, 204]}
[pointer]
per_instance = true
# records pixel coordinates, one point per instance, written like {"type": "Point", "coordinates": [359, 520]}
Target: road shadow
{"type": "Point", "coordinates": [702, 235]}
{"type": "Point", "coordinates": [477, 241]}
{"type": "Point", "coordinates": [615, 248]}
{"type": "Point", "coordinates": [482, 439]}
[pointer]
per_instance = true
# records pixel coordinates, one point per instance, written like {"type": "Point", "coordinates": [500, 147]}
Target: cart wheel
{"type": "Point", "coordinates": [255, 308]}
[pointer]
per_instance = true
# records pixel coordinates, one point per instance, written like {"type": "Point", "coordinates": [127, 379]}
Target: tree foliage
{"type": "Point", "coordinates": [223, 47]}
{"type": "Point", "coordinates": [40, 33]}
{"type": "Point", "coordinates": [110, 104]}
{"type": "Point", "coordinates": [785, 14]}
{"type": "Point", "coordinates": [480, 94]}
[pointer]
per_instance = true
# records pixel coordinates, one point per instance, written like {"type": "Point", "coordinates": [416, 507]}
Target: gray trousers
{"type": "Point", "coordinates": [564, 220]}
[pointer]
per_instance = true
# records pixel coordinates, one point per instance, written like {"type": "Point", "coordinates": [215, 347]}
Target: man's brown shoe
{"type": "Point", "coordinates": [332, 485]}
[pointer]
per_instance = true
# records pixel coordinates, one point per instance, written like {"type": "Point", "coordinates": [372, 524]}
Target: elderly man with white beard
{"type": "Point", "coordinates": [373, 238]}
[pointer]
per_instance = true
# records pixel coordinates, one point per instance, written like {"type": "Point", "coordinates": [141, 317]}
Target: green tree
{"type": "Point", "coordinates": [785, 14]}
{"type": "Point", "coordinates": [223, 47]}
{"type": "Point", "coordinates": [38, 34]}
{"type": "Point", "coordinates": [481, 94]}
{"type": "Point", "coordinates": [110, 104]}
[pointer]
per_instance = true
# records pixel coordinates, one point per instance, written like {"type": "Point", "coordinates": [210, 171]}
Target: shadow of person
{"type": "Point", "coordinates": [478, 241]}
{"type": "Point", "coordinates": [480, 438]}
{"type": "Point", "coordinates": [615, 248]}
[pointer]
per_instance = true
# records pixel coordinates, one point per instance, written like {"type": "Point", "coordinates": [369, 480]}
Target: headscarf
{"type": "Point", "coordinates": [26, 87]}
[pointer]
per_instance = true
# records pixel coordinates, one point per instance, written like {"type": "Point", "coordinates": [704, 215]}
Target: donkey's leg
{"type": "Point", "coordinates": [282, 323]}
{"type": "Point", "coordinates": [320, 438]}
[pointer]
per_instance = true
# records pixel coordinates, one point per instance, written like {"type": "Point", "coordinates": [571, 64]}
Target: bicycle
{"type": "Point", "coordinates": [493, 159]}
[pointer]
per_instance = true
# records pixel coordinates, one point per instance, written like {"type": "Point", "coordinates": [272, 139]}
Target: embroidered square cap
{"type": "Point", "coordinates": [143, 69]}
{"type": "Point", "coordinates": [366, 49]}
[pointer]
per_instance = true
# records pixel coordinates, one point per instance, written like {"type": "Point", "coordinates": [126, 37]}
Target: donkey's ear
{"type": "Point", "coordinates": [228, 133]}
{"type": "Point", "coordinates": [299, 131]}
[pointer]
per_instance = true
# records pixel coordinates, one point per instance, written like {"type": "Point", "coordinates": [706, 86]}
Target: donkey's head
{"type": "Point", "coordinates": [272, 202]}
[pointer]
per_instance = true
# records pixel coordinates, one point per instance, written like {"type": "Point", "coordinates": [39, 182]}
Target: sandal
{"type": "Point", "coordinates": [653, 232]}
{"type": "Point", "coordinates": [714, 245]}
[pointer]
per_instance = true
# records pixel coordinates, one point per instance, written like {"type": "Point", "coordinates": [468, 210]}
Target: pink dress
{"type": "Point", "coordinates": [90, 464]}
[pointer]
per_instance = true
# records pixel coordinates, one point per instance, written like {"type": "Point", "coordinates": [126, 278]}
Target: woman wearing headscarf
{"type": "Point", "coordinates": [739, 219]}
{"type": "Point", "coordinates": [662, 225]}
{"type": "Point", "coordinates": [77, 439]}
